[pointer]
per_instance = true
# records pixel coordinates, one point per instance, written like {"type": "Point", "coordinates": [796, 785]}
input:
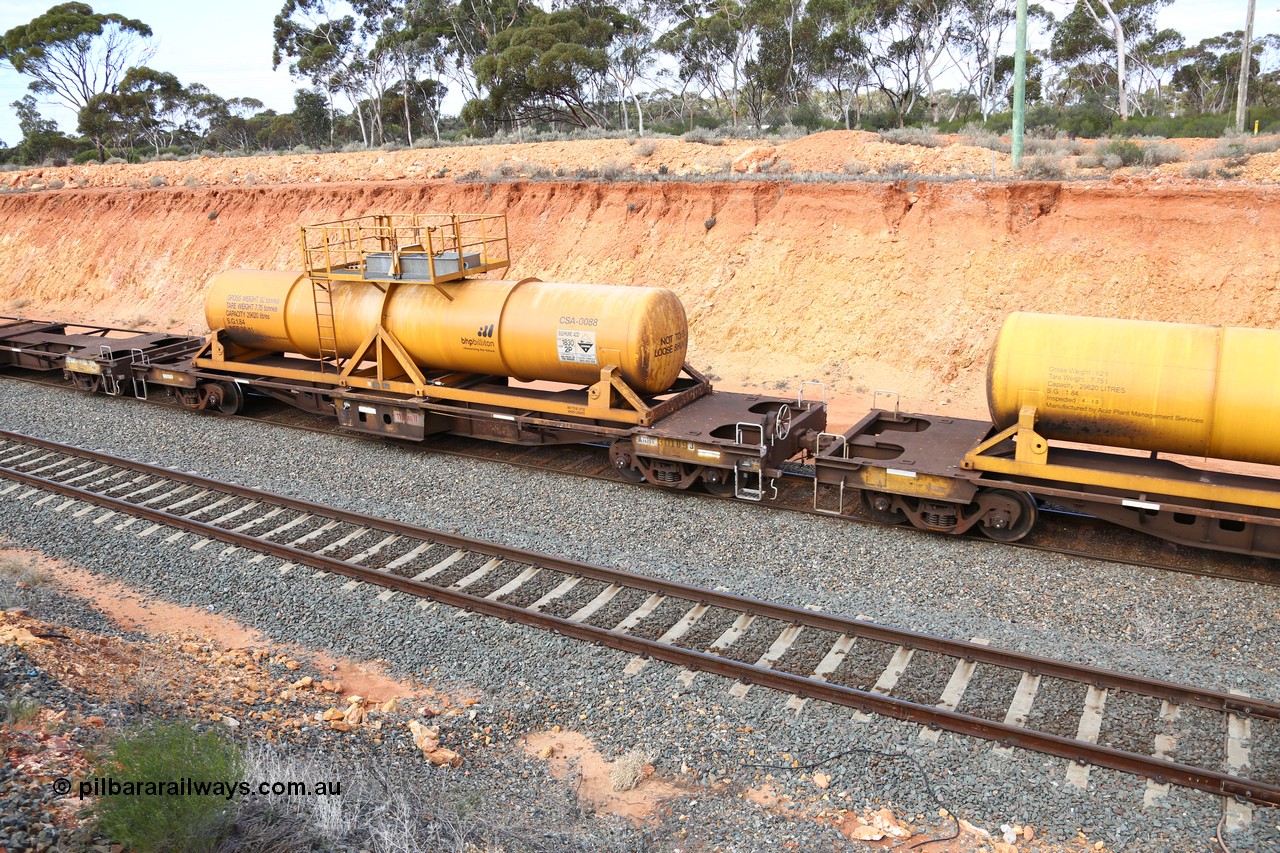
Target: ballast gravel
{"type": "Point", "coordinates": [1200, 631]}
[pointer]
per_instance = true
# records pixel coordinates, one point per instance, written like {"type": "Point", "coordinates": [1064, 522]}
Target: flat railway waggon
{"type": "Point", "coordinates": [388, 330]}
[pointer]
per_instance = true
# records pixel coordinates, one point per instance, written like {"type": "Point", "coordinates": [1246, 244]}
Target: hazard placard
{"type": "Point", "coordinates": [577, 346]}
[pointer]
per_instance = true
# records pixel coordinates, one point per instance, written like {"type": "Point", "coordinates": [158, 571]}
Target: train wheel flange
{"type": "Point", "coordinates": [622, 458]}
{"type": "Point", "coordinates": [1011, 521]}
{"type": "Point", "coordinates": [226, 397]}
{"type": "Point", "coordinates": [880, 507]}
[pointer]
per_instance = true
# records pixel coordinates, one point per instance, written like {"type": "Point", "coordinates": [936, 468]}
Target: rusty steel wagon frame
{"type": "Point", "coordinates": [91, 356]}
{"type": "Point", "coordinates": [910, 467]}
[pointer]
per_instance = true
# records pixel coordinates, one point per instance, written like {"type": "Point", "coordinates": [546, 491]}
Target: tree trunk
{"type": "Point", "coordinates": [328, 93]}
{"type": "Point", "coordinates": [639, 112]}
{"type": "Point", "coordinates": [1117, 36]}
{"type": "Point", "coordinates": [1121, 71]}
{"type": "Point", "coordinates": [364, 137]}
{"type": "Point", "coordinates": [408, 122]}
{"type": "Point", "coordinates": [1242, 92]}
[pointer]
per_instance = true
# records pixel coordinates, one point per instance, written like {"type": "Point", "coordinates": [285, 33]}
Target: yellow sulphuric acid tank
{"type": "Point", "coordinates": [1199, 390]}
{"type": "Point", "coordinates": [524, 329]}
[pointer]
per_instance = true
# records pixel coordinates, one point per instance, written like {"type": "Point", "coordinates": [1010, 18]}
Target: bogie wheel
{"type": "Point", "coordinates": [1012, 519]}
{"type": "Point", "coordinates": [879, 506]}
{"type": "Point", "coordinates": [226, 397]}
{"type": "Point", "coordinates": [718, 481]}
{"type": "Point", "coordinates": [622, 457]}
{"type": "Point", "coordinates": [85, 381]}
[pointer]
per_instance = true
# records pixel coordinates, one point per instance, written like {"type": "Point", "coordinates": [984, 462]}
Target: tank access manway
{"type": "Point", "coordinates": [805, 653]}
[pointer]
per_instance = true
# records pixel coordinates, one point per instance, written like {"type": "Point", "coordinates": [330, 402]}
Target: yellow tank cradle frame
{"type": "Point", "coordinates": [387, 250]}
{"type": "Point", "coordinates": [1031, 459]}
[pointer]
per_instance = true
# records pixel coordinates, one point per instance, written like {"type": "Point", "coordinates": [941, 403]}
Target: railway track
{"type": "Point", "coordinates": [1062, 533]}
{"type": "Point", "coordinates": [804, 653]}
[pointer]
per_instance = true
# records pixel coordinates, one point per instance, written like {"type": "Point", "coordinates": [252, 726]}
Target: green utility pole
{"type": "Point", "coordinates": [1019, 85]}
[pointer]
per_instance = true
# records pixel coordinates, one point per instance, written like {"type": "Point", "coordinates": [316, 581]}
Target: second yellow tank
{"type": "Point", "coordinates": [1177, 388]}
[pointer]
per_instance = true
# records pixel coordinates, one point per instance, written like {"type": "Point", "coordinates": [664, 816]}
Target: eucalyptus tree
{"type": "Point", "coordinates": [541, 68]}
{"type": "Point", "coordinates": [906, 42]}
{"type": "Point", "coordinates": [40, 135]}
{"type": "Point", "coordinates": [1095, 30]}
{"type": "Point", "coordinates": [468, 25]}
{"type": "Point", "coordinates": [840, 54]}
{"type": "Point", "coordinates": [713, 43]}
{"type": "Point", "coordinates": [784, 68]}
{"type": "Point", "coordinates": [632, 53]}
{"type": "Point", "coordinates": [318, 37]}
{"type": "Point", "coordinates": [413, 41]}
{"type": "Point", "coordinates": [1207, 75]}
{"type": "Point", "coordinates": [72, 53]}
{"type": "Point", "coordinates": [154, 105]}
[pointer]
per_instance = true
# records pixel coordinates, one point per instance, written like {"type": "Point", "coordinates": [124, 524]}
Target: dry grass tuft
{"type": "Point", "coordinates": [629, 770]}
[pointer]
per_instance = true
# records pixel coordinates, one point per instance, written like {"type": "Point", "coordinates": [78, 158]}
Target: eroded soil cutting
{"type": "Point", "coordinates": [862, 285]}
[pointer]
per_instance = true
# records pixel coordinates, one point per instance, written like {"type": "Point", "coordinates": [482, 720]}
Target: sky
{"type": "Point", "coordinates": [226, 45]}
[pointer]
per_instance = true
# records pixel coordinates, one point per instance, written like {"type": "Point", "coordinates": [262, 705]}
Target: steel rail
{"type": "Point", "coordinates": [1161, 770]}
{"type": "Point", "coordinates": [1035, 664]}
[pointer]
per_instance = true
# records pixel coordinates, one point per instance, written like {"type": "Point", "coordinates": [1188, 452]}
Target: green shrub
{"type": "Point", "coordinates": [926, 137]}
{"type": "Point", "coordinates": [1164, 152]}
{"type": "Point", "coordinates": [787, 132]}
{"type": "Point", "coordinates": [1043, 168]}
{"type": "Point", "coordinates": [18, 708]}
{"type": "Point", "coordinates": [1129, 153]}
{"type": "Point", "coordinates": [1231, 147]}
{"type": "Point", "coordinates": [980, 136]}
{"type": "Point", "coordinates": [1199, 171]}
{"type": "Point", "coordinates": [1045, 141]}
{"type": "Point", "coordinates": [702, 135]}
{"type": "Point", "coordinates": [1264, 144]}
{"type": "Point", "coordinates": [154, 824]}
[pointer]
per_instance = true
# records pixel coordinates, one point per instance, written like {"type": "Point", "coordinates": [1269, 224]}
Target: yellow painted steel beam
{"type": "Point", "coordinates": [604, 412]}
{"type": "Point", "coordinates": [1032, 460]}
{"type": "Point", "coordinates": [1137, 484]}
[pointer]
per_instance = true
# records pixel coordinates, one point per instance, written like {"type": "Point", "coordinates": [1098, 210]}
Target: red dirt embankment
{"type": "Point", "coordinates": [860, 285]}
